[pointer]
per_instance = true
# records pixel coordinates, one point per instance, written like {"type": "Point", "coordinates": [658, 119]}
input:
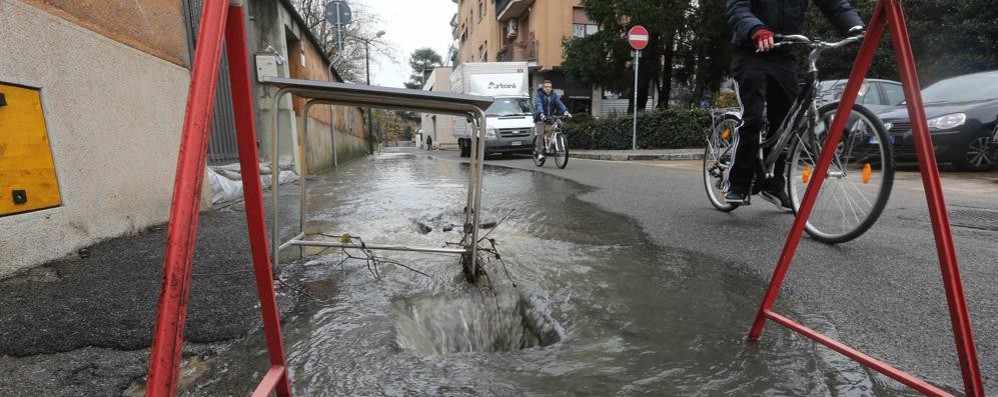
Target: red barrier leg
{"type": "Point", "coordinates": [888, 13]}
{"type": "Point", "coordinates": [242, 104]}
{"type": "Point", "coordinates": [955, 297]}
{"type": "Point", "coordinates": [168, 337]}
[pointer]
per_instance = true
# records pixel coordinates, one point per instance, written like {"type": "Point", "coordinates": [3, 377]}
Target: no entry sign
{"type": "Point", "coordinates": [638, 37]}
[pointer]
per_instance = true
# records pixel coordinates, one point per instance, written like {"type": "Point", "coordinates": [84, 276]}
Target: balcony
{"type": "Point", "coordinates": [519, 51]}
{"type": "Point", "coordinates": [506, 9]}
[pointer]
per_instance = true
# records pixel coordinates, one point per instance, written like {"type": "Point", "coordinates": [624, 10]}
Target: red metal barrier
{"type": "Point", "coordinates": [889, 13]}
{"type": "Point", "coordinates": [218, 16]}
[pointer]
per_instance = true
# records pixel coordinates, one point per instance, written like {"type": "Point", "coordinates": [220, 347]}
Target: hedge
{"type": "Point", "coordinates": [657, 129]}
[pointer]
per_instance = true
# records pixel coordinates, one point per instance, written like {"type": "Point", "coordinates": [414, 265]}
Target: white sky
{"type": "Point", "coordinates": [408, 25]}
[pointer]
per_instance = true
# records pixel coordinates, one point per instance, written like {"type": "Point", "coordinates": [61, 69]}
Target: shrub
{"type": "Point", "coordinates": [657, 129]}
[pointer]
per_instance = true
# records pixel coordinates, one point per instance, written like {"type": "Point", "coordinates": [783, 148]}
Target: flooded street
{"type": "Point", "coordinates": [597, 309]}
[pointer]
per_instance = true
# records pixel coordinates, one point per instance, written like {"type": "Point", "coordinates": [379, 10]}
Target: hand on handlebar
{"type": "Point", "coordinates": [764, 40]}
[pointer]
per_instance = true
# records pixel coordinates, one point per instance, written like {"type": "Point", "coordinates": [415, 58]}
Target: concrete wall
{"type": "Point", "coordinates": [152, 26]}
{"type": "Point", "coordinates": [114, 116]}
{"type": "Point", "coordinates": [274, 26]}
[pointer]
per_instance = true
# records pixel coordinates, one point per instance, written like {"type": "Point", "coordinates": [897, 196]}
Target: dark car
{"type": "Point", "coordinates": [962, 112]}
{"type": "Point", "coordinates": [875, 94]}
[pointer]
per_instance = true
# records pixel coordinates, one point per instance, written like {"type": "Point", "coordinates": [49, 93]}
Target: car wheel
{"type": "Point", "coordinates": [980, 156]}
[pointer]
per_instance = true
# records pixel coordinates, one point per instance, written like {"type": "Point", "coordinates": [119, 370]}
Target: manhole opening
{"type": "Point", "coordinates": [428, 325]}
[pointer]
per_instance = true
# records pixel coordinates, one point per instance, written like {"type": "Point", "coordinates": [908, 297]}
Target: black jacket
{"type": "Point", "coordinates": [784, 17]}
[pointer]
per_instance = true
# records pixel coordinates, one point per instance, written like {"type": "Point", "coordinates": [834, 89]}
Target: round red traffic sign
{"type": "Point", "coordinates": [638, 37]}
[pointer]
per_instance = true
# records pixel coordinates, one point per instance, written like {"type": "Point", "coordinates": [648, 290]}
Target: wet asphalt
{"type": "Point", "coordinates": [82, 325]}
{"type": "Point", "coordinates": [882, 292]}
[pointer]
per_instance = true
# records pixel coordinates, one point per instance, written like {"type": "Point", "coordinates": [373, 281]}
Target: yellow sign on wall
{"type": "Point", "coordinates": [27, 172]}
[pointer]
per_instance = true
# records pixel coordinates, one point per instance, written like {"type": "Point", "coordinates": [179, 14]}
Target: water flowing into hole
{"type": "Point", "coordinates": [485, 321]}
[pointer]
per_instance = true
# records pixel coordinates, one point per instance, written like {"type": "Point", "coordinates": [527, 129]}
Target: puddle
{"type": "Point", "coordinates": [597, 309]}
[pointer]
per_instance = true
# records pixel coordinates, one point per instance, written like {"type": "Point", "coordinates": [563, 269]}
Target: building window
{"type": "Point", "coordinates": [582, 26]}
{"type": "Point", "coordinates": [483, 52]}
{"type": "Point", "coordinates": [482, 10]}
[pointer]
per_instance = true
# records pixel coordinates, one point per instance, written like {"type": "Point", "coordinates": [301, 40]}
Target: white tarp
{"type": "Point", "coordinates": [498, 84]}
{"type": "Point", "coordinates": [227, 185]}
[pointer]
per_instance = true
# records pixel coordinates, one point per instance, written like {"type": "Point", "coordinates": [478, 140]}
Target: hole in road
{"type": "Point", "coordinates": [429, 325]}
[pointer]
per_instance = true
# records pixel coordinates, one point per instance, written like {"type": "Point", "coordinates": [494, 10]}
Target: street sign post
{"type": "Point", "coordinates": [638, 39]}
{"type": "Point", "coordinates": [339, 15]}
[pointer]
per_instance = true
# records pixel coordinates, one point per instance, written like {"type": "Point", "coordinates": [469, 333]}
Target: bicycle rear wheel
{"type": "Point", "coordinates": [538, 150]}
{"type": "Point", "coordinates": [561, 150]}
{"type": "Point", "coordinates": [717, 159]}
{"type": "Point", "coordinates": [858, 182]}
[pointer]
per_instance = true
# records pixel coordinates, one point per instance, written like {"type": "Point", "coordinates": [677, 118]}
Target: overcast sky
{"type": "Point", "coordinates": [408, 25]}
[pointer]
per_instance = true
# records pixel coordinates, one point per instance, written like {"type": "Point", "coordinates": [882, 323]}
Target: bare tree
{"type": "Point", "coordinates": [350, 64]}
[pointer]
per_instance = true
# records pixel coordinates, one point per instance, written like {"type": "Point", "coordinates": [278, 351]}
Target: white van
{"type": "Point", "coordinates": [510, 119]}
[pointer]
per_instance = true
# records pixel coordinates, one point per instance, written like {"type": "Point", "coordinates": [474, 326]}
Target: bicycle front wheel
{"type": "Point", "coordinates": [561, 151]}
{"type": "Point", "coordinates": [859, 179]}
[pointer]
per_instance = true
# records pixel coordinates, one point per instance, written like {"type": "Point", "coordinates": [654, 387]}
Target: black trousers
{"type": "Point", "coordinates": [766, 85]}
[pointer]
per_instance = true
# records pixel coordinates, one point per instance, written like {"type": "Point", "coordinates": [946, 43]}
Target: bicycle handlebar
{"type": "Point", "coordinates": [815, 44]}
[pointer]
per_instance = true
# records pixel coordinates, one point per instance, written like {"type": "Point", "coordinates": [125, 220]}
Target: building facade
{"type": "Point", "coordinates": [439, 126]}
{"type": "Point", "coordinates": [92, 102]}
{"type": "Point", "coordinates": [109, 81]}
{"type": "Point", "coordinates": [526, 30]}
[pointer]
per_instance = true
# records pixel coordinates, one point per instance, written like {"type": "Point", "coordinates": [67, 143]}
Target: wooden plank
{"type": "Point", "coordinates": [40, 186]}
{"type": "Point", "coordinates": [25, 154]}
{"type": "Point", "coordinates": [24, 143]}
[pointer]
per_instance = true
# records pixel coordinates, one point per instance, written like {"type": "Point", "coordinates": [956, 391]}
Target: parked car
{"type": "Point", "coordinates": [962, 113]}
{"type": "Point", "coordinates": [875, 94]}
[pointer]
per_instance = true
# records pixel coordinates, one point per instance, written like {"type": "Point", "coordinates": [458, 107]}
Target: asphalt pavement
{"type": "Point", "coordinates": [881, 293]}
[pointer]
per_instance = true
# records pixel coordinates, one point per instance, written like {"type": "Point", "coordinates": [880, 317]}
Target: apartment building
{"type": "Point", "coordinates": [526, 30]}
{"type": "Point", "coordinates": [439, 126]}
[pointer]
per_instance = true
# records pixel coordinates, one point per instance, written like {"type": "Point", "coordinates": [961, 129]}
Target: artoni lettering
{"type": "Point", "coordinates": [494, 86]}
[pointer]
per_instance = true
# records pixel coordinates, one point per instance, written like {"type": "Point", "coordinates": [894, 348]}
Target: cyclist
{"type": "Point", "coordinates": [546, 104]}
{"type": "Point", "coordinates": [766, 82]}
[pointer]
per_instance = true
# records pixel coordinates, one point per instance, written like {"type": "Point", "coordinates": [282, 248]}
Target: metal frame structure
{"type": "Point", "coordinates": [325, 93]}
{"type": "Point", "coordinates": [225, 19]}
{"type": "Point", "coordinates": [888, 14]}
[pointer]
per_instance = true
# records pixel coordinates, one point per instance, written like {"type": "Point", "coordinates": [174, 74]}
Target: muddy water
{"type": "Point", "coordinates": [596, 308]}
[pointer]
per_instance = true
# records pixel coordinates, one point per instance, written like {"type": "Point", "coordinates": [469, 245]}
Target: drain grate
{"type": "Point", "coordinates": [969, 217]}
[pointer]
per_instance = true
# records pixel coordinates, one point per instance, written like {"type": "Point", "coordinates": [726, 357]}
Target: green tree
{"type": "Point", "coordinates": [708, 49]}
{"type": "Point", "coordinates": [604, 58]}
{"type": "Point", "coordinates": [422, 61]}
{"type": "Point", "coordinates": [948, 38]}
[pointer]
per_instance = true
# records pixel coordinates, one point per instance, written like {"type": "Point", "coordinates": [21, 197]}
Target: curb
{"type": "Point", "coordinates": [636, 157]}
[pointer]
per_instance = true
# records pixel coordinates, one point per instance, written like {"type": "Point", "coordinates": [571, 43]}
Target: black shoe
{"type": "Point", "coordinates": [736, 197]}
{"type": "Point", "coordinates": [778, 198]}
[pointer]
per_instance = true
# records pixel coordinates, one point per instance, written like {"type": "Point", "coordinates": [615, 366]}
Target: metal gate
{"type": "Point", "coordinates": [222, 147]}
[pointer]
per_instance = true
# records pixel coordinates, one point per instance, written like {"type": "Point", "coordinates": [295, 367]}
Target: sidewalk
{"type": "Point", "coordinates": [632, 155]}
{"type": "Point", "coordinates": [82, 325]}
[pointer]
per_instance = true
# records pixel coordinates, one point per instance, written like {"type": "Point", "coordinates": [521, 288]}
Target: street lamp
{"type": "Point", "coordinates": [367, 67]}
{"type": "Point", "coordinates": [367, 56]}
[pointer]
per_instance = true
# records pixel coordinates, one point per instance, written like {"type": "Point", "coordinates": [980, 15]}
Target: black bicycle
{"type": "Point", "coordinates": [859, 180]}
{"type": "Point", "coordinates": [557, 147]}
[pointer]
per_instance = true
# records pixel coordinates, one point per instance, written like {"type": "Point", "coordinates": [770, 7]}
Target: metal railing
{"type": "Point", "coordinates": [525, 50]}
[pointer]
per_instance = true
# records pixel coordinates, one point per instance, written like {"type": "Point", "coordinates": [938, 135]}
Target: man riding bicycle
{"type": "Point", "coordinates": [766, 81]}
{"type": "Point", "coordinates": [546, 103]}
